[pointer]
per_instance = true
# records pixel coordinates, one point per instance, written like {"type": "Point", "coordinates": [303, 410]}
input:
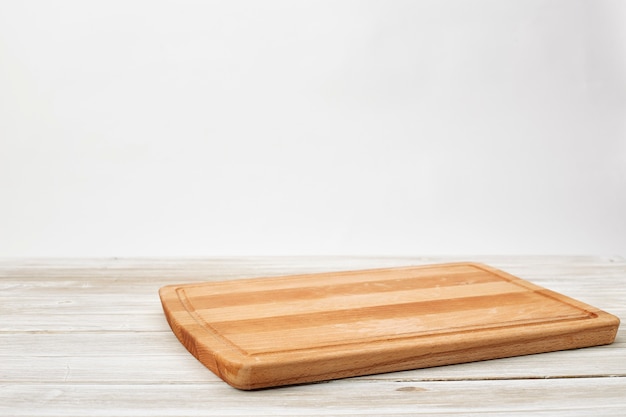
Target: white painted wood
{"type": "Point", "coordinates": [167, 362]}
{"type": "Point", "coordinates": [560, 397]}
{"type": "Point", "coordinates": [88, 337]}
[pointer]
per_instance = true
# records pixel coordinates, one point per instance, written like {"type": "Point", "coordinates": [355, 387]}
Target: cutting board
{"type": "Point", "coordinates": [264, 332]}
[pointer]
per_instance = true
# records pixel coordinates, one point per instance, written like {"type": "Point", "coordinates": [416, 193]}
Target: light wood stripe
{"type": "Point", "coordinates": [312, 292]}
{"type": "Point", "coordinates": [334, 278]}
{"type": "Point", "coordinates": [341, 302]}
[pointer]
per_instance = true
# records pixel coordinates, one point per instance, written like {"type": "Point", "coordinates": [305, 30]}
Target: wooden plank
{"type": "Point", "coordinates": [561, 397]}
{"type": "Point", "coordinates": [150, 358]}
{"type": "Point", "coordinates": [101, 321]}
{"type": "Point", "coordinates": [177, 366]}
{"type": "Point", "coordinates": [277, 331]}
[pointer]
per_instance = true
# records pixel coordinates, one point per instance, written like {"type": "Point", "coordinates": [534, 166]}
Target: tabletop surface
{"type": "Point", "coordinates": [89, 337]}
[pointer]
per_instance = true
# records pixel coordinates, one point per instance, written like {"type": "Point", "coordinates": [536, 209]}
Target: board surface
{"type": "Point", "coordinates": [265, 332]}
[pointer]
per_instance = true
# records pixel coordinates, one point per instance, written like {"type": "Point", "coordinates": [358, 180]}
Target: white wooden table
{"type": "Point", "coordinates": [88, 337]}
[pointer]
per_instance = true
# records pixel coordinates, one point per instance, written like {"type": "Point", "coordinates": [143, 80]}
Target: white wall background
{"type": "Point", "coordinates": [312, 127]}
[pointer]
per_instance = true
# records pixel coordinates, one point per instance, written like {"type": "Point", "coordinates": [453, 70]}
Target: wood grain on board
{"type": "Point", "coordinates": [263, 332]}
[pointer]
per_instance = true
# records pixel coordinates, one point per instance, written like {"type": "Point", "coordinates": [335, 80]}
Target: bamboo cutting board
{"type": "Point", "coordinates": [265, 332]}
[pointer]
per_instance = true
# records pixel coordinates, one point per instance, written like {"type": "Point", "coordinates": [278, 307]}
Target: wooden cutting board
{"type": "Point", "coordinates": [264, 332]}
